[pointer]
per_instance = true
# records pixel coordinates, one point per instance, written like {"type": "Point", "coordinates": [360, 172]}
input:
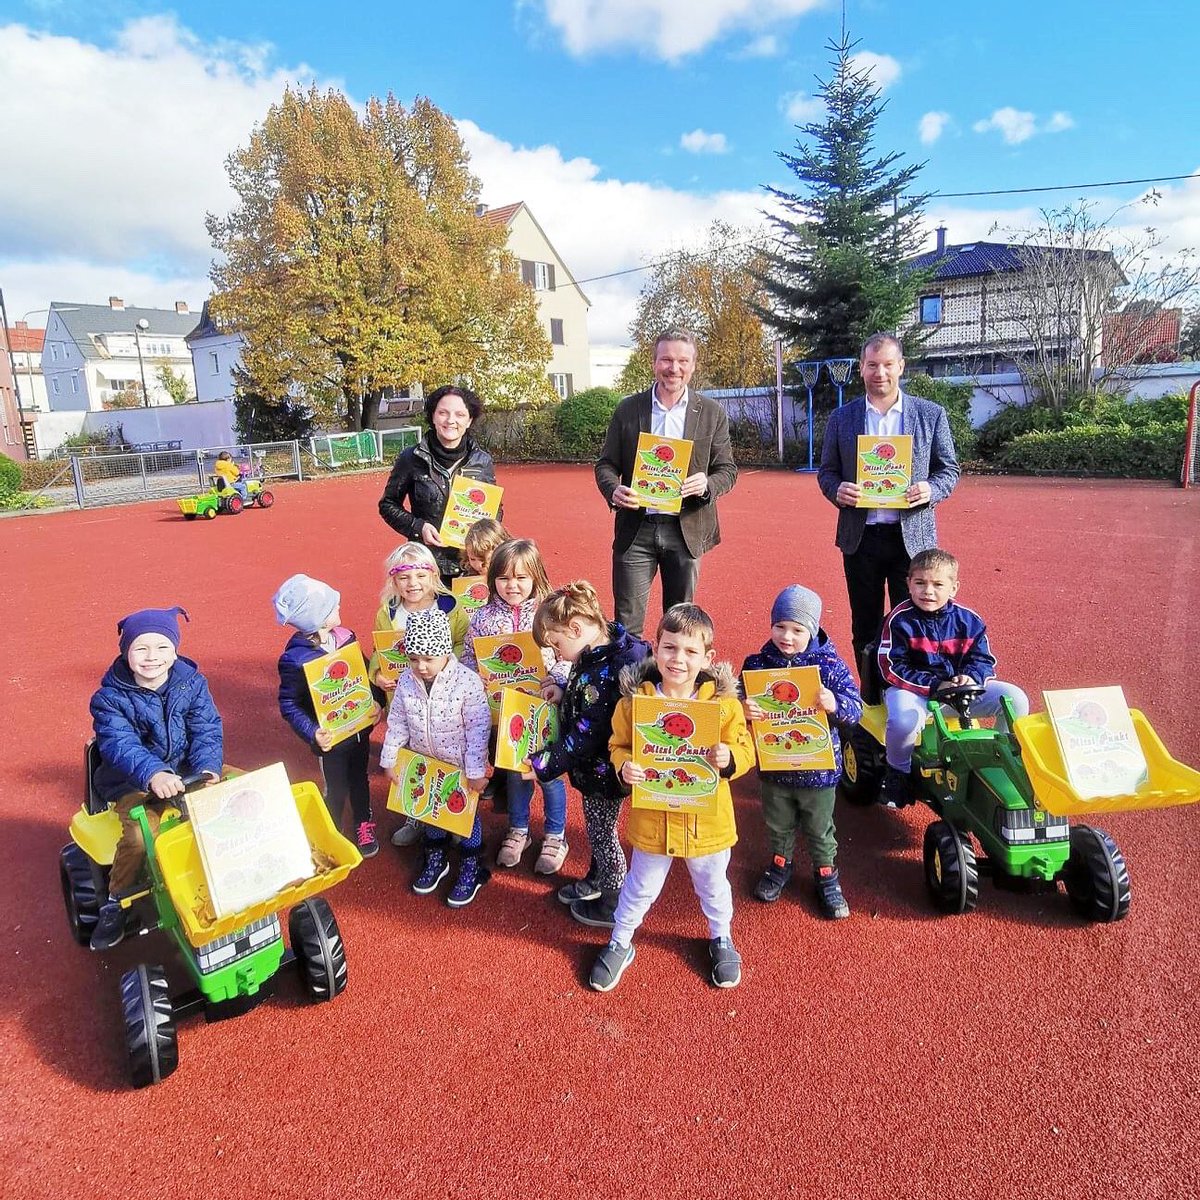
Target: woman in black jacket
{"type": "Point", "coordinates": [423, 474]}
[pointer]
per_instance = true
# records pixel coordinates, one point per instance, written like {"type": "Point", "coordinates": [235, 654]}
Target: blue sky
{"type": "Point", "coordinates": [625, 124]}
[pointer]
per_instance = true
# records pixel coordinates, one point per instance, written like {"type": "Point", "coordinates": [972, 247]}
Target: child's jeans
{"type": "Point", "coordinates": [648, 873]}
{"type": "Point", "coordinates": [554, 798]}
{"type": "Point", "coordinates": [906, 714]}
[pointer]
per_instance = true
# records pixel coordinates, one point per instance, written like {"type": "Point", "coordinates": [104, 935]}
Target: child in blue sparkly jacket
{"type": "Point", "coordinates": [571, 622]}
{"type": "Point", "coordinates": [805, 798]}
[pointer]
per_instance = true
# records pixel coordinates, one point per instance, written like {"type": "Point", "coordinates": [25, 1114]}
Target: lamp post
{"type": "Point", "coordinates": [138, 330]}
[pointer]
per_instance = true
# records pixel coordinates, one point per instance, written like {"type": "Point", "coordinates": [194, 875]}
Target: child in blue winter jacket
{"type": "Point", "coordinates": [155, 722]}
{"type": "Point", "coordinates": [805, 798]}
{"type": "Point", "coordinates": [313, 609]}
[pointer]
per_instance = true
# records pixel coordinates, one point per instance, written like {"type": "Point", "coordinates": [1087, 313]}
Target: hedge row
{"type": "Point", "coordinates": [1151, 452]}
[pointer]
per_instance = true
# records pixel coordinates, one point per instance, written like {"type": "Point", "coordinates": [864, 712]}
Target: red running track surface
{"type": "Point", "coordinates": [1012, 1052]}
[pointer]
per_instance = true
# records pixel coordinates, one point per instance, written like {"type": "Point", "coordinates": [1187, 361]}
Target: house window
{"type": "Point", "coordinates": [75, 385]}
{"type": "Point", "coordinates": [214, 362]}
{"type": "Point", "coordinates": [53, 352]}
{"type": "Point", "coordinates": [56, 387]}
{"type": "Point", "coordinates": [931, 310]}
{"type": "Point", "coordinates": [539, 275]}
{"type": "Point", "coordinates": [563, 384]}
{"type": "Point", "coordinates": [556, 331]}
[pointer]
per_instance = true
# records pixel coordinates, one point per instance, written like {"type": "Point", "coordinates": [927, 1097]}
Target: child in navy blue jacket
{"type": "Point", "coordinates": [312, 608]}
{"type": "Point", "coordinates": [804, 798]}
{"type": "Point", "coordinates": [571, 622]}
{"type": "Point", "coordinates": [155, 722]}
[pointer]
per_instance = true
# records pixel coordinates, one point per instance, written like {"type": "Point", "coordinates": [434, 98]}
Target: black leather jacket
{"type": "Point", "coordinates": [417, 478]}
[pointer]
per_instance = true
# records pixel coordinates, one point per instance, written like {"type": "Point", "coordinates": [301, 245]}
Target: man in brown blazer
{"type": "Point", "coordinates": [647, 541]}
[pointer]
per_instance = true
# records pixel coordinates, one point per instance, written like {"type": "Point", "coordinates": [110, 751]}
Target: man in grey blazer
{"type": "Point", "coordinates": [877, 544]}
{"type": "Point", "coordinates": [646, 541]}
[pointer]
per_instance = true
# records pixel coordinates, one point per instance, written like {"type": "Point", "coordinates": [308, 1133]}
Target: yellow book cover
{"type": "Point", "coordinates": [508, 660]}
{"type": "Point", "coordinates": [527, 723]}
{"type": "Point", "coordinates": [794, 735]}
{"type": "Point", "coordinates": [389, 645]}
{"type": "Point", "coordinates": [340, 691]}
{"type": "Point", "coordinates": [659, 470]}
{"type": "Point", "coordinates": [433, 792]}
{"type": "Point", "coordinates": [670, 741]}
{"type": "Point", "coordinates": [1100, 747]}
{"type": "Point", "coordinates": [884, 470]}
{"type": "Point", "coordinates": [470, 592]}
{"type": "Point", "coordinates": [469, 501]}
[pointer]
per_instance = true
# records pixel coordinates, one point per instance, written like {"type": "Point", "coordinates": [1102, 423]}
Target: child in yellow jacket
{"type": "Point", "coordinates": [682, 669]}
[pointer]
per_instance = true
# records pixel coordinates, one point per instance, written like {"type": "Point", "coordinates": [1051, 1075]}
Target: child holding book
{"type": "Point", "coordinates": [804, 799]}
{"type": "Point", "coordinates": [517, 584]}
{"type": "Point", "coordinates": [155, 721]}
{"type": "Point", "coordinates": [571, 622]}
{"type": "Point", "coordinates": [313, 610]}
{"type": "Point", "coordinates": [440, 709]}
{"type": "Point", "coordinates": [929, 643]}
{"type": "Point", "coordinates": [683, 669]}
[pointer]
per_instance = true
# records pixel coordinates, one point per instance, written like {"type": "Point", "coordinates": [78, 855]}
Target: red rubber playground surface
{"type": "Point", "coordinates": [1012, 1052]}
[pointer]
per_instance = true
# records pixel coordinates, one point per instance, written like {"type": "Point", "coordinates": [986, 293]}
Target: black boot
{"type": "Point", "coordinates": [110, 926]}
{"type": "Point", "coordinates": [829, 894]}
{"type": "Point", "coordinates": [601, 913]}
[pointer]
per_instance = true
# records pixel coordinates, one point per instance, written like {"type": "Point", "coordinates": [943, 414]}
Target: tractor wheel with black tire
{"type": "Point", "coordinates": [265, 499]}
{"type": "Point", "coordinates": [1096, 877]}
{"type": "Point", "coordinates": [149, 1025]}
{"type": "Point", "coordinates": [951, 872]}
{"type": "Point", "coordinates": [862, 768]}
{"type": "Point", "coordinates": [317, 945]}
{"type": "Point", "coordinates": [210, 513]}
{"type": "Point", "coordinates": [81, 894]}
{"type": "Point", "coordinates": [189, 516]}
{"type": "Point", "coordinates": [234, 505]}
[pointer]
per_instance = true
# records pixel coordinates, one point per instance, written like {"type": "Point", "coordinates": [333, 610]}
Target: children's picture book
{"type": "Point", "coordinates": [659, 470]}
{"type": "Point", "coordinates": [1100, 748]}
{"type": "Point", "coordinates": [470, 592]}
{"type": "Point", "coordinates": [389, 646]}
{"type": "Point", "coordinates": [526, 724]}
{"type": "Point", "coordinates": [508, 660]}
{"type": "Point", "coordinates": [884, 470]}
{"type": "Point", "coordinates": [794, 735]}
{"type": "Point", "coordinates": [434, 792]}
{"type": "Point", "coordinates": [340, 691]}
{"type": "Point", "coordinates": [671, 739]}
{"type": "Point", "coordinates": [250, 837]}
{"type": "Point", "coordinates": [469, 501]}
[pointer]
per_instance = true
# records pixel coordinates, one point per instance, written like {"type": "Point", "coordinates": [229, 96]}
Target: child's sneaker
{"type": "Point", "coordinates": [436, 869]}
{"type": "Point", "coordinates": [897, 788]}
{"type": "Point", "coordinates": [774, 879]}
{"type": "Point", "coordinates": [609, 966]}
{"type": "Point", "coordinates": [726, 963]}
{"type": "Point", "coordinates": [600, 913]}
{"type": "Point", "coordinates": [552, 854]}
{"type": "Point", "coordinates": [829, 894]}
{"type": "Point", "coordinates": [409, 834]}
{"type": "Point", "coordinates": [368, 845]}
{"type": "Point", "coordinates": [110, 926]}
{"type": "Point", "coordinates": [471, 877]}
{"type": "Point", "coordinates": [516, 842]}
{"type": "Point", "coordinates": [579, 889]}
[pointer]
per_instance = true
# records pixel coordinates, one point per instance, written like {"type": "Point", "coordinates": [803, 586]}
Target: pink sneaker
{"type": "Point", "coordinates": [516, 842]}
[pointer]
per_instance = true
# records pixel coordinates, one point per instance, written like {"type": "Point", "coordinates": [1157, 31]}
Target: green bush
{"type": "Point", "coordinates": [1154, 452]}
{"type": "Point", "coordinates": [1012, 421]}
{"type": "Point", "coordinates": [955, 398]}
{"type": "Point", "coordinates": [582, 421]}
{"type": "Point", "coordinates": [10, 476]}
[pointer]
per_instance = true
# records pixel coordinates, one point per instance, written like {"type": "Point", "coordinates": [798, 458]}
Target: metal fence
{"type": "Point", "coordinates": [333, 450]}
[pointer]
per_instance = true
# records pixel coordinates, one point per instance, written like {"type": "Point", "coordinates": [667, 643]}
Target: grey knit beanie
{"type": "Point", "coordinates": [799, 604]}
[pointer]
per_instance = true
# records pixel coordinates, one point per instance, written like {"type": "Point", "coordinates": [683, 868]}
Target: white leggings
{"type": "Point", "coordinates": [906, 714]}
{"type": "Point", "coordinates": [647, 874]}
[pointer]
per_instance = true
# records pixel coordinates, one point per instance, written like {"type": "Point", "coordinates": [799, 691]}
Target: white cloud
{"type": "Point", "coordinates": [666, 29]}
{"type": "Point", "coordinates": [1059, 122]}
{"type": "Point", "coordinates": [700, 142]}
{"type": "Point", "coordinates": [766, 46]}
{"type": "Point", "coordinates": [800, 108]}
{"type": "Point", "coordinates": [882, 69]}
{"type": "Point", "coordinates": [1016, 125]}
{"type": "Point", "coordinates": [931, 127]}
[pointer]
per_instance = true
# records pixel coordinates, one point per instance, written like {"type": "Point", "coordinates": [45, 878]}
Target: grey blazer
{"type": "Point", "coordinates": [706, 426]}
{"type": "Point", "coordinates": [934, 460]}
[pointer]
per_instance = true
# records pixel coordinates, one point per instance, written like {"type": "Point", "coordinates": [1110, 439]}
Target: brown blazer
{"type": "Point", "coordinates": [706, 426]}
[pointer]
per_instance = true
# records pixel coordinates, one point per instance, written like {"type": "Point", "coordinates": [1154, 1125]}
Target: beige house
{"type": "Point", "coordinates": [562, 306]}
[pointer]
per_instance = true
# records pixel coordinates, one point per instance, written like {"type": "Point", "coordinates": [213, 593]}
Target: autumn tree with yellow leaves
{"type": "Point", "coordinates": [354, 261]}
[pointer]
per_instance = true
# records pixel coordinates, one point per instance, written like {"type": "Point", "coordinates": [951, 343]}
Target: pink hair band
{"type": "Point", "coordinates": [396, 570]}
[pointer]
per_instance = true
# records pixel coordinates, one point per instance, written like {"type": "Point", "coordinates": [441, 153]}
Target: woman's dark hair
{"type": "Point", "coordinates": [471, 402]}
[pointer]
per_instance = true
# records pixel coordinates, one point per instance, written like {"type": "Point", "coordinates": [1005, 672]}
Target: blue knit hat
{"type": "Point", "coordinates": [304, 603]}
{"type": "Point", "coordinates": [150, 620]}
{"type": "Point", "coordinates": [799, 604]}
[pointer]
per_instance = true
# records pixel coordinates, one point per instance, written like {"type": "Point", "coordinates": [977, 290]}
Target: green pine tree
{"type": "Point", "coordinates": [838, 274]}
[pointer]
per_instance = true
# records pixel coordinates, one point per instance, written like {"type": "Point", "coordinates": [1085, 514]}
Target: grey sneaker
{"type": "Point", "coordinates": [553, 854]}
{"type": "Point", "coordinates": [516, 842]}
{"type": "Point", "coordinates": [409, 834]}
{"type": "Point", "coordinates": [600, 913]}
{"type": "Point", "coordinates": [609, 966]}
{"type": "Point", "coordinates": [726, 963]}
{"type": "Point", "coordinates": [579, 889]}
